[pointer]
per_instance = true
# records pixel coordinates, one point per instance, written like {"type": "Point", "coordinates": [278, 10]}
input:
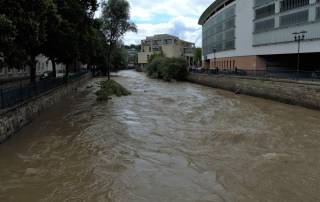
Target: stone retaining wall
{"type": "Point", "coordinates": [305, 94]}
{"type": "Point", "coordinates": [13, 119]}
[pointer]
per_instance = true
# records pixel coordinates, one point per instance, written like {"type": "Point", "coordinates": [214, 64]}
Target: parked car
{"type": "Point", "coordinates": [46, 75]}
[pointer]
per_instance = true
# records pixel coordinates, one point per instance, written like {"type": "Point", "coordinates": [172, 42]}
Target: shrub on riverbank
{"type": "Point", "coordinates": [167, 68]}
{"type": "Point", "coordinates": [109, 88]}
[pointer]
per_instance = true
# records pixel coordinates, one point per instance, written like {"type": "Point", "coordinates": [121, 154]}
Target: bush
{"type": "Point", "coordinates": [109, 88]}
{"type": "Point", "coordinates": [167, 68]}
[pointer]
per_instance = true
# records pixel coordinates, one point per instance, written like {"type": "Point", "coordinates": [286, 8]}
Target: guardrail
{"type": "Point", "coordinates": [277, 74]}
{"type": "Point", "coordinates": [11, 96]}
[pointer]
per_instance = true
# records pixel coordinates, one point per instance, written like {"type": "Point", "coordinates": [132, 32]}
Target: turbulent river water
{"type": "Point", "coordinates": [167, 142]}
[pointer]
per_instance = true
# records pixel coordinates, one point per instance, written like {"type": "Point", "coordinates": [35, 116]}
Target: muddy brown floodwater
{"type": "Point", "coordinates": [167, 142]}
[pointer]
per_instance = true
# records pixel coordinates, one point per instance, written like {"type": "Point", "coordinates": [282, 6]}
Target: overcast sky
{"type": "Point", "coordinates": [177, 17]}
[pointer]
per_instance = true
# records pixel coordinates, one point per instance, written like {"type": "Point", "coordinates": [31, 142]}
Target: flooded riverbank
{"type": "Point", "coordinates": [165, 142]}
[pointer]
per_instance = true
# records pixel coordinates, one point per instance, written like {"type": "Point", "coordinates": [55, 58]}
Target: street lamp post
{"type": "Point", "coordinates": [298, 37]}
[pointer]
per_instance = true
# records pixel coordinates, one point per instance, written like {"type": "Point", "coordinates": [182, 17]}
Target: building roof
{"type": "Point", "coordinates": [165, 36]}
{"type": "Point", "coordinates": [212, 9]}
{"type": "Point", "coordinates": [161, 36]}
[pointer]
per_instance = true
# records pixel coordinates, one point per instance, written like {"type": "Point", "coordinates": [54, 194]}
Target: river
{"type": "Point", "coordinates": [167, 142]}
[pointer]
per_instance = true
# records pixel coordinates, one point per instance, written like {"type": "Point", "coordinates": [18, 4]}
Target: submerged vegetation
{"type": "Point", "coordinates": [167, 68]}
{"type": "Point", "coordinates": [109, 88]}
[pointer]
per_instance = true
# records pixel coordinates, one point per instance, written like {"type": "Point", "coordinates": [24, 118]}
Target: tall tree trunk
{"type": "Point", "coordinates": [109, 65]}
{"type": "Point", "coordinates": [33, 66]}
{"type": "Point", "coordinates": [54, 69]}
{"type": "Point", "coordinates": [109, 62]}
{"type": "Point", "coordinates": [66, 75]}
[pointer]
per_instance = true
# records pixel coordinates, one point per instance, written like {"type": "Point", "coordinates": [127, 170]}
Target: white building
{"type": "Point", "coordinates": [43, 65]}
{"type": "Point", "coordinates": [258, 34]}
{"type": "Point", "coordinates": [170, 46]}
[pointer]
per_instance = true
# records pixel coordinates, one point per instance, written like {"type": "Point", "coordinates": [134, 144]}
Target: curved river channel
{"type": "Point", "coordinates": [167, 142]}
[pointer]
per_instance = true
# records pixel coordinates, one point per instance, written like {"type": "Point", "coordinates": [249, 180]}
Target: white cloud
{"type": "Point", "coordinates": [177, 17]}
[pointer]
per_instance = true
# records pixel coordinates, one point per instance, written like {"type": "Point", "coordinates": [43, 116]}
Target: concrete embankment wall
{"type": "Point", "coordinates": [15, 118]}
{"type": "Point", "coordinates": [305, 94]}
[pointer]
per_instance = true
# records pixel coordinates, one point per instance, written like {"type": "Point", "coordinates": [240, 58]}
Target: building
{"type": "Point", "coordinates": [258, 34]}
{"type": "Point", "coordinates": [43, 65]}
{"type": "Point", "coordinates": [170, 46]}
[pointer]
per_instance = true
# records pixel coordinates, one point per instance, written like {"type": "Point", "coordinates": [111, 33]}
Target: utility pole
{"type": "Point", "coordinates": [298, 37]}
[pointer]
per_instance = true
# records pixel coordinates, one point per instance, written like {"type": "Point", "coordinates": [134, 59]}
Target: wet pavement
{"type": "Point", "coordinates": [167, 142]}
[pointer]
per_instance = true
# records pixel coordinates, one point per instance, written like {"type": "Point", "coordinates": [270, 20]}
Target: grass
{"type": "Point", "coordinates": [109, 88]}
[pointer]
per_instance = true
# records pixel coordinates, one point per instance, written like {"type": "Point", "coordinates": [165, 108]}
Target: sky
{"type": "Point", "coordinates": [176, 17]}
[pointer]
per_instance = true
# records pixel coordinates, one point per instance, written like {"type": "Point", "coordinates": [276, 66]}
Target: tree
{"type": "Point", "coordinates": [94, 49]}
{"type": "Point", "coordinates": [51, 47]}
{"type": "Point", "coordinates": [156, 55]}
{"type": "Point", "coordinates": [30, 19]}
{"type": "Point", "coordinates": [74, 31]}
{"type": "Point", "coordinates": [197, 55]}
{"type": "Point", "coordinates": [7, 32]}
{"type": "Point", "coordinates": [119, 58]}
{"type": "Point", "coordinates": [115, 23]}
{"type": "Point", "coordinates": [12, 54]}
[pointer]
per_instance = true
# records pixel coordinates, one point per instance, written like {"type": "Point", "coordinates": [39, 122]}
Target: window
{"type": "Point", "coordinates": [157, 42]}
{"type": "Point", "coordinates": [229, 45]}
{"type": "Point", "coordinates": [264, 25]}
{"type": "Point", "coordinates": [265, 11]}
{"type": "Point", "coordinates": [292, 4]}
{"type": "Point", "coordinates": [149, 49]}
{"type": "Point", "coordinates": [156, 48]}
{"type": "Point", "coordinates": [229, 35]}
{"type": "Point", "coordinates": [168, 41]}
{"type": "Point", "coordinates": [219, 32]}
{"type": "Point", "coordinates": [229, 24]}
{"type": "Point", "coordinates": [318, 12]}
{"type": "Point", "coordinates": [294, 18]}
{"type": "Point", "coordinates": [262, 2]}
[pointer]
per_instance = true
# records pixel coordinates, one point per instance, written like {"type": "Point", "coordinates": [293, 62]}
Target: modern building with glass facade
{"type": "Point", "coordinates": [258, 34]}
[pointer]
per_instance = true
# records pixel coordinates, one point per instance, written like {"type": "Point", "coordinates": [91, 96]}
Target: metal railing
{"type": "Point", "coordinates": [21, 91]}
{"type": "Point", "coordinates": [276, 74]}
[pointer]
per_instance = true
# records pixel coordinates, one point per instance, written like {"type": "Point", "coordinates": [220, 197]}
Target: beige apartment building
{"type": "Point", "coordinates": [170, 46]}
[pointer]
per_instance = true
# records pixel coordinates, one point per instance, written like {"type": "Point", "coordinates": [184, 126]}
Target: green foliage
{"type": "Point", "coordinates": [133, 46]}
{"type": "Point", "coordinates": [7, 32]}
{"type": "Point", "coordinates": [29, 18]}
{"type": "Point", "coordinates": [197, 55]}
{"type": "Point", "coordinates": [115, 23]}
{"type": "Point", "coordinates": [156, 55]}
{"type": "Point", "coordinates": [109, 88]}
{"type": "Point", "coordinates": [167, 68]}
{"type": "Point", "coordinates": [63, 30]}
{"type": "Point", "coordinates": [119, 58]}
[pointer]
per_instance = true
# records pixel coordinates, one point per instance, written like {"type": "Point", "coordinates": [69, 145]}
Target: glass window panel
{"type": "Point", "coordinates": [262, 2]}
{"type": "Point", "coordinates": [265, 11]}
{"type": "Point", "coordinates": [286, 5]}
{"type": "Point", "coordinates": [219, 29]}
{"type": "Point", "coordinates": [264, 25]}
{"type": "Point", "coordinates": [294, 18]}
